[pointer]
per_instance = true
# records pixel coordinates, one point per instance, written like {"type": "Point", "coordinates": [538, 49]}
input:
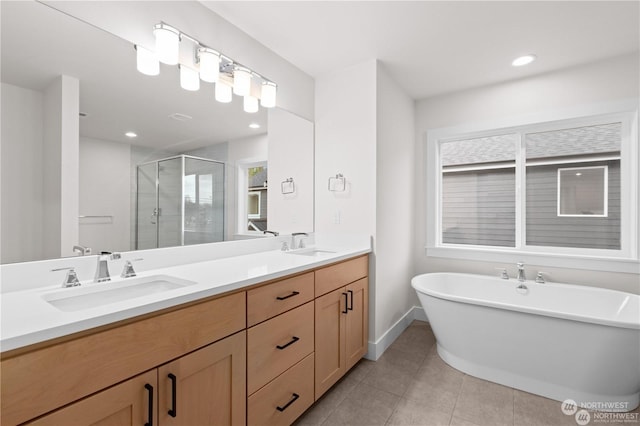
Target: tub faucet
{"type": "Point", "coordinates": [521, 277]}
{"type": "Point", "coordinates": [102, 270]}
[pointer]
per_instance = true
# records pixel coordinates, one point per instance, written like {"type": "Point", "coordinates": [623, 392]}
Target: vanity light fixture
{"type": "Point", "coordinates": [523, 60]}
{"type": "Point", "coordinates": [189, 79]}
{"type": "Point", "coordinates": [206, 64]}
{"type": "Point", "coordinates": [241, 81]}
{"type": "Point", "coordinates": [337, 183]}
{"type": "Point", "coordinates": [223, 92]}
{"type": "Point", "coordinates": [209, 61]}
{"type": "Point", "coordinates": [250, 104]}
{"type": "Point", "coordinates": [131, 135]}
{"type": "Point", "coordinates": [147, 61]}
{"type": "Point", "coordinates": [268, 94]}
{"type": "Point", "coordinates": [167, 43]}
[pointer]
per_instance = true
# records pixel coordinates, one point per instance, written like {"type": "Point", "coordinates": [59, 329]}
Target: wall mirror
{"type": "Point", "coordinates": [178, 181]}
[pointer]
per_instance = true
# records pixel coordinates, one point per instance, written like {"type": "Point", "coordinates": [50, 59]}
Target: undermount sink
{"type": "Point", "coordinates": [311, 252]}
{"type": "Point", "coordinates": [79, 298]}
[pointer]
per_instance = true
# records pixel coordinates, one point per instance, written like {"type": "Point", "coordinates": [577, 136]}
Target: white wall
{"type": "Point", "coordinates": [105, 191]}
{"type": "Point", "coordinates": [290, 151]}
{"type": "Point", "coordinates": [134, 21]}
{"type": "Point", "coordinates": [603, 82]}
{"type": "Point", "coordinates": [395, 203]}
{"type": "Point", "coordinates": [22, 185]}
{"type": "Point", "coordinates": [365, 130]}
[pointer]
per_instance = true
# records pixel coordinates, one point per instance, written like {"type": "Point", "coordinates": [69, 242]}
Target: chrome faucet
{"type": "Point", "coordinates": [82, 250]}
{"type": "Point", "coordinates": [521, 277]}
{"type": "Point", "coordinates": [540, 278]}
{"type": "Point", "coordinates": [293, 240]}
{"type": "Point", "coordinates": [128, 271]}
{"type": "Point", "coordinates": [274, 233]}
{"type": "Point", "coordinates": [102, 270]}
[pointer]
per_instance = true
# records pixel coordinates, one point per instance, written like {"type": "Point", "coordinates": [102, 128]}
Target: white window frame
{"type": "Point", "coordinates": [605, 183]}
{"type": "Point", "coordinates": [259, 196]}
{"type": "Point", "coordinates": [623, 260]}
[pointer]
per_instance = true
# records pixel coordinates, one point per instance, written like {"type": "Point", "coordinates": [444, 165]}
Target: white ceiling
{"type": "Point", "coordinates": [434, 47]}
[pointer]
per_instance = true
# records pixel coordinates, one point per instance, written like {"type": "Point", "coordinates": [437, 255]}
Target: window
{"type": "Point", "coordinates": [565, 188]}
{"type": "Point", "coordinates": [253, 205]}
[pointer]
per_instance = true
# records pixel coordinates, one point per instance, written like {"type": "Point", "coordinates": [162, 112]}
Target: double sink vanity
{"type": "Point", "coordinates": [251, 339]}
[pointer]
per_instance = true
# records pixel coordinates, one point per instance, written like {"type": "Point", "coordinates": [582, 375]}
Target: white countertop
{"type": "Point", "coordinates": [27, 318]}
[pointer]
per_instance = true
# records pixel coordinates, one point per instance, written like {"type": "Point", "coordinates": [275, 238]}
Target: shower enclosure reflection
{"type": "Point", "coordinates": [180, 201]}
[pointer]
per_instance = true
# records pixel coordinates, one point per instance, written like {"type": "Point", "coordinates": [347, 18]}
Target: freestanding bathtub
{"type": "Point", "coordinates": [560, 341]}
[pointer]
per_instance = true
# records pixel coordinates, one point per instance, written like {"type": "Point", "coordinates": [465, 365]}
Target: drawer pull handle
{"type": "Point", "coordinates": [148, 387]}
{"type": "Point", "coordinates": [173, 411]}
{"type": "Point", "coordinates": [293, 293]}
{"type": "Point", "coordinates": [295, 339]}
{"type": "Point", "coordinates": [350, 305]}
{"type": "Point", "coordinates": [346, 303]}
{"type": "Point", "coordinates": [295, 396]}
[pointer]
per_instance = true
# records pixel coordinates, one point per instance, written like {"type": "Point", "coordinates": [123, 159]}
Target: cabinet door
{"type": "Point", "coordinates": [329, 330]}
{"type": "Point", "coordinates": [205, 387]}
{"type": "Point", "coordinates": [357, 321]}
{"type": "Point", "coordinates": [130, 403]}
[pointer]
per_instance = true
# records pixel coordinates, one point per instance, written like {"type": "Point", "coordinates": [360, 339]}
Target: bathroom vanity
{"type": "Point", "coordinates": [258, 353]}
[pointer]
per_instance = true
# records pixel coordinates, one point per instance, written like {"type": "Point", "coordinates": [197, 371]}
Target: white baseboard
{"type": "Point", "coordinates": [377, 348]}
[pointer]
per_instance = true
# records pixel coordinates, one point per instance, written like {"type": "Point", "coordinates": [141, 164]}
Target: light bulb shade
{"type": "Point", "coordinates": [250, 104]}
{"type": "Point", "coordinates": [268, 94]}
{"type": "Point", "coordinates": [167, 44]}
{"type": "Point", "coordinates": [147, 61]}
{"type": "Point", "coordinates": [189, 79]}
{"type": "Point", "coordinates": [209, 65]}
{"type": "Point", "coordinates": [223, 92]}
{"type": "Point", "coordinates": [241, 81]}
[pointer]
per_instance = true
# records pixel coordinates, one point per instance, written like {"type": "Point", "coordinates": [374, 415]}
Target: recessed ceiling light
{"type": "Point", "coordinates": [131, 135]}
{"type": "Point", "coordinates": [254, 125]}
{"type": "Point", "coordinates": [578, 174]}
{"type": "Point", "coordinates": [523, 60]}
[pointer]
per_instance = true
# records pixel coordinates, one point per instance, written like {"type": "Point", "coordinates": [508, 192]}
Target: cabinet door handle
{"type": "Point", "coordinates": [293, 340]}
{"type": "Point", "coordinates": [351, 304]}
{"type": "Point", "coordinates": [148, 387]}
{"type": "Point", "coordinates": [173, 411]}
{"type": "Point", "coordinates": [293, 293]}
{"type": "Point", "coordinates": [291, 401]}
{"type": "Point", "coordinates": [346, 303]}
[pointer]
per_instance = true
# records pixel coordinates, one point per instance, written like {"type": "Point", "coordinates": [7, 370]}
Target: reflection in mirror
{"type": "Point", "coordinates": [107, 137]}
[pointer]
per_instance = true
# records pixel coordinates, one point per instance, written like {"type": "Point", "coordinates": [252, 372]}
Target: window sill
{"type": "Point", "coordinates": [559, 260]}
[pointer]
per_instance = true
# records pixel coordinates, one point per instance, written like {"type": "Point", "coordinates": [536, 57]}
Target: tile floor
{"type": "Point", "coordinates": [411, 385]}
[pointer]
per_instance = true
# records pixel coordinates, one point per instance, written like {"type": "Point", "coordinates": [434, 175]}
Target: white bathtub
{"type": "Point", "coordinates": [560, 341]}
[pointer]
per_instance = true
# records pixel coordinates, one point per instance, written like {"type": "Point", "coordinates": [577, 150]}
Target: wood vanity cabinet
{"type": "Point", "coordinates": [341, 320]}
{"type": "Point", "coordinates": [43, 379]}
{"type": "Point", "coordinates": [205, 387]}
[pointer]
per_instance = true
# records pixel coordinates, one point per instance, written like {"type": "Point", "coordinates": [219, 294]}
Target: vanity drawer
{"type": "Point", "coordinates": [277, 403]}
{"type": "Point", "coordinates": [275, 345]}
{"type": "Point", "coordinates": [273, 299]}
{"type": "Point", "coordinates": [338, 275]}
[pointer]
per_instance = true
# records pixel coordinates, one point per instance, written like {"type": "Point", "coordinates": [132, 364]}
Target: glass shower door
{"type": "Point", "coordinates": [203, 201]}
{"type": "Point", "coordinates": [170, 202]}
{"type": "Point", "coordinates": [147, 207]}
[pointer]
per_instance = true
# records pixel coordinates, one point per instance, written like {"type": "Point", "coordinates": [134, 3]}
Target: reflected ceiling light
{"type": "Point", "coordinates": [147, 61]}
{"type": "Point", "coordinates": [223, 92]}
{"type": "Point", "coordinates": [189, 79]}
{"type": "Point", "coordinates": [523, 60]}
{"type": "Point", "coordinates": [131, 135]}
{"type": "Point", "coordinates": [254, 125]}
{"type": "Point", "coordinates": [167, 43]}
{"type": "Point", "coordinates": [250, 104]}
{"type": "Point", "coordinates": [241, 81]}
{"type": "Point", "coordinates": [578, 174]}
{"type": "Point", "coordinates": [209, 64]}
{"type": "Point", "coordinates": [268, 94]}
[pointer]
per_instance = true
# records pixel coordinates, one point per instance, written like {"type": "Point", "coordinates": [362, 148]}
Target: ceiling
{"type": "Point", "coordinates": [435, 47]}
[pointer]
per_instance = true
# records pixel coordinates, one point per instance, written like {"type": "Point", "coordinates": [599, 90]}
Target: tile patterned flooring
{"type": "Point", "coordinates": [411, 385]}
